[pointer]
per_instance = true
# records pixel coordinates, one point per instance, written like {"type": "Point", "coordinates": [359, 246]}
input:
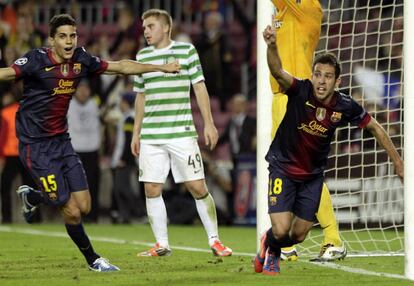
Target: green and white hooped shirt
{"type": "Point", "coordinates": [167, 96]}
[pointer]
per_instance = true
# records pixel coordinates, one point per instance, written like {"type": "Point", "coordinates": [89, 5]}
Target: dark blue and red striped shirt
{"type": "Point", "coordinates": [47, 90]}
{"type": "Point", "coordinates": [302, 142]}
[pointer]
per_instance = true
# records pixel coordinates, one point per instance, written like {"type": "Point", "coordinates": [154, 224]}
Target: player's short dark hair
{"type": "Point", "coordinates": [159, 14]}
{"type": "Point", "coordinates": [60, 20]}
{"type": "Point", "coordinates": [330, 59]}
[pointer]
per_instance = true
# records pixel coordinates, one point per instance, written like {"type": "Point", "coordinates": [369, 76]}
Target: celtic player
{"type": "Point", "coordinates": [164, 134]}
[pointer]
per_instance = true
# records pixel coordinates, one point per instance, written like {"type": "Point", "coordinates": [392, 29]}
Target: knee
{"type": "Point", "coordinates": [280, 231]}
{"type": "Point", "coordinates": [72, 215]}
{"type": "Point", "coordinates": [85, 207]}
{"type": "Point", "coordinates": [197, 189]}
{"type": "Point", "coordinates": [298, 237]}
{"type": "Point", "coordinates": [153, 190]}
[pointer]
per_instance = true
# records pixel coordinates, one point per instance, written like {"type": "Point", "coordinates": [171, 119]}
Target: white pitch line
{"type": "Point", "coordinates": [357, 270]}
{"type": "Point", "coordinates": [194, 249]}
{"type": "Point", "coordinates": [106, 239]}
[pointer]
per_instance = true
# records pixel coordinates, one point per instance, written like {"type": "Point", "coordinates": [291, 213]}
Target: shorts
{"type": "Point", "coordinates": [55, 167]}
{"type": "Point", "coordinates": [181, 156]}
{"type": "Point", "coordinates": [299, 197]}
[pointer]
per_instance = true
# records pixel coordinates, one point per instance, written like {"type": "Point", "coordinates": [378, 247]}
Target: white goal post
{"type": "Point", "coordinates": [264, 116]}
{"type": "Point", "coordinates": [409, 138]}
{"type": "Point", "coordinates": [368, 198]}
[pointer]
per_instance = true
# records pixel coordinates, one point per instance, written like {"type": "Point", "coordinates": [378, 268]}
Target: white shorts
{"type": "Point", "coordinates": [182, 157]}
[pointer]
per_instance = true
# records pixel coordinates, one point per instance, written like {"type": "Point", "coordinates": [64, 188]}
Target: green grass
{"type": "Point", "coordinates": [27, 259]}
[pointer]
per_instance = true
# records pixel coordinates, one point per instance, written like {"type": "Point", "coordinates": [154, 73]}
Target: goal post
{"type": "Point", "coordinates": [409, 138]}
{"type": "Point", "coordinates": [368, 198]}
{"type": "Point", "coordinates": [264, 116]}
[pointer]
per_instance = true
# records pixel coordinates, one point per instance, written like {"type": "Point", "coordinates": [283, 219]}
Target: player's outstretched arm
{"type": "Point", "coordinates": [7, 74]}
{"type": "Point", "coordinates": [133, 67]}
{"type": "Point", "coordinates": [203, 102]}
{"type": "Point", "coordinates": [385, 141]}
{"type": "Point", "coordinates": [273, 60]}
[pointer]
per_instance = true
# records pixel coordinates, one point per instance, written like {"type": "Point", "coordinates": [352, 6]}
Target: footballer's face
{"type": "Point", "coordinates": [63, 43]}
{"type": "Point", "coordinates": [324, 82]}
{"type": "Point", "coordinates": [156, 32]}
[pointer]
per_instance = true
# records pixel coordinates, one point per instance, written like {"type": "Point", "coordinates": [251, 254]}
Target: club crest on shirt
{"type": "Point", "coordinates": [336, 116]}
{"type": "Point", "coordinates": [170, 59]}
{"type": "Point", "coordinates": [64, 69]}
{"type": "Point", "coordinates": [77, 68]}
{"type": "Point", "coordinates": [320, 113]}
{"type": "Point", "coordinates": [277, 24]}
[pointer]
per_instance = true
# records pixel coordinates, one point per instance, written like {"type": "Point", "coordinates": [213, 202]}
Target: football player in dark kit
{"type": "Point", "coordinates": [50, 76]}
{"type": "Point", "coordinates": [298, 154]}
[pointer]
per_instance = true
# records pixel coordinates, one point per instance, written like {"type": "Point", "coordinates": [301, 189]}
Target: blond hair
{"type": "Point", "coordinates": [159, 14]}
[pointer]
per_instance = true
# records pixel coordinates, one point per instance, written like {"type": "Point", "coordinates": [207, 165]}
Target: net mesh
{"type": "Point", "coordinates": [367, 36]}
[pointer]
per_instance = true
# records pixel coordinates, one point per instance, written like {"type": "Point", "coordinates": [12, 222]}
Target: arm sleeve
{"type": "Point", "coordinates": [24, 66]}
{"type": "Point", "coordinates": [300, 88]}
{"type": "Point", "coordinates": [95, 64]}
{"type": "Point", "coordinates": [296, 87]}
{"type": "Point", "coordinates": [138, 81]}
{"type": "Point", "coordinates": [358, 116]}
{"type": "Point", "coordinates": [194, 66]}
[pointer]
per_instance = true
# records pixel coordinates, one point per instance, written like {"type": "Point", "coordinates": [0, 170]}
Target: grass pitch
{"type": "Point", "coordinates": [44, 255]}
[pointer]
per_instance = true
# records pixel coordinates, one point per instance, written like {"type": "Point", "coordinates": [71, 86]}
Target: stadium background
{"type": "Point", "coordinates": [366, 35]}
{"type": "Point", "coordinates": [112, 30]}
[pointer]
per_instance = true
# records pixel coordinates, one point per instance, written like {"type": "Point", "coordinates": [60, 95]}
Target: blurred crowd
{"type": "Point", "coordinates": [367, 40]}
{"type": "Point", "coordinates": [367, 36]}
{"type": "Point", "coordinates": [101, 113]}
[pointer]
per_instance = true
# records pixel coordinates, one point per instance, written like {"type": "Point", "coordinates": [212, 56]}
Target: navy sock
{"type": "Point", "coordinates": [34, 197]}
{"type": "Point", "coordinates": [276, 244]}
{"type": "Point", "coordinates": [272, 243]}
{"type": "Point", "coordinates": [79, 237]}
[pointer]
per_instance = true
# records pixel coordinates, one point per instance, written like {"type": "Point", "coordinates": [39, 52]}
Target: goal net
{"type": "Point", "coordinates": [367, 36]}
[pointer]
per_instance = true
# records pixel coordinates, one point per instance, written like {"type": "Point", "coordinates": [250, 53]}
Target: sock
{"type": "Point", "coordinates": [327, 220]}
{"type": "Point", "coordinates": [275, 245]}
{"type": "Point", "coordinates": [157, 215]}
{"type": "Point", "coordinates": [79, 237]}
{"type": "Point", "coordinates": [34, 197]}
{"type": "Point", "coordinates": [206, 209]}
{"type": "Point", "coordinates": [272, 243]}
